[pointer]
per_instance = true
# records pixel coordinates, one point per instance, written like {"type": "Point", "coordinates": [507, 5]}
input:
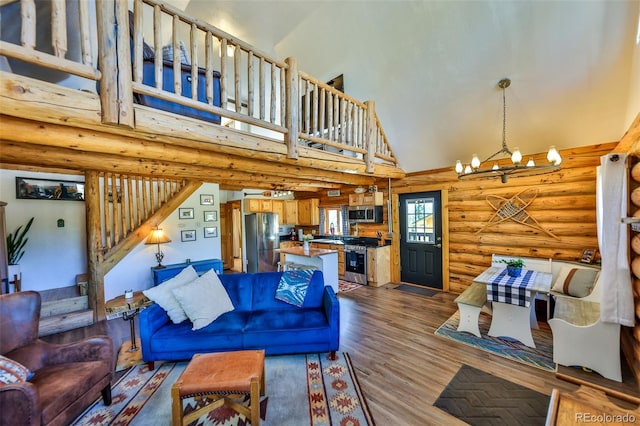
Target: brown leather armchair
{"type": "Point", "coordinates": [68, 378]}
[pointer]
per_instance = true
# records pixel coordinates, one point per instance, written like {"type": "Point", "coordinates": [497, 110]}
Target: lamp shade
{"type": "Point", "coordinates": [157, 236]}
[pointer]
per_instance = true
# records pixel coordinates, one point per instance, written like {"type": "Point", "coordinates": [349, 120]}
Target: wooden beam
{"type": "Point", "coordinates": [37, 155]}
{"type": "Point", "coordinates": [106, 20]}
{"type": "Point", "coordinates": [293, 110]}
{"type": "Point", "coordinates": [94, 245]}
{"type": "Point", "coordinates": [91, 141]}
{"type": "Point", "coordinates": [125, 246]}
{"type": "Point", "coordinates": [630, 142]}
{"type": "Point", "coordinates": [370, 133]}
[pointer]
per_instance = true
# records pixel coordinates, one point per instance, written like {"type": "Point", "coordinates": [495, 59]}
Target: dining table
{"type": "Point", "coordinates": [513, 301]}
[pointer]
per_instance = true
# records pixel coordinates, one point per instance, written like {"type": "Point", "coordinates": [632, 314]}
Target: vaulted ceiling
{"type": "Point", "coordinates": [432, 67]}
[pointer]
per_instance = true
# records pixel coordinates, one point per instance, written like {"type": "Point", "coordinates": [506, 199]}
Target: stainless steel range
{"type": "Point", "coordinates": [355, 263]}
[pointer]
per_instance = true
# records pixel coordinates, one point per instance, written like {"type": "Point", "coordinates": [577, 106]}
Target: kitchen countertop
{"type": "Point", "coordinates": [312, 252]}
{"type": "Point", "coordinates": [327, 241]}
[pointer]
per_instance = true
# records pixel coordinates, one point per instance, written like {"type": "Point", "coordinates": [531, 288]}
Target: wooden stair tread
{"type": "Point", "coordinates": [63, 322]}
{"type": "Point", "coordinates": [63, 306]}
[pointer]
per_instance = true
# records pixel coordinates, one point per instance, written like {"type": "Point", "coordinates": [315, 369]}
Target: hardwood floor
{"type": "Point", "coordinates": [401, 364]}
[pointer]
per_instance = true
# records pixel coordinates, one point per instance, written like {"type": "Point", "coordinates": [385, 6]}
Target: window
{"type": "Point", "coordinates": [333, 217]}
{"type": "Point", "coordinates": [420, 221]}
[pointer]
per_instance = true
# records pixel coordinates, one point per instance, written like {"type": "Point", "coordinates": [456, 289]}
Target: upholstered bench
{"type": "Point", "coordinates": [470, 303]}
{"type": "Point", "coordinates": [217, 377]}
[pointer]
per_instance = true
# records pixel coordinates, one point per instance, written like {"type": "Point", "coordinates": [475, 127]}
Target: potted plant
{"type": "Point", "coordinates": [514, 267]}
{"type": "Point", "coordinates": [15, 250]}
{"type": "Point", "coordinates": [305, 241]}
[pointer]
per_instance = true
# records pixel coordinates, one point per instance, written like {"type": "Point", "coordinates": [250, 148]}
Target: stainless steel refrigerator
{"type": "Point", "coordinates": [262, 241]}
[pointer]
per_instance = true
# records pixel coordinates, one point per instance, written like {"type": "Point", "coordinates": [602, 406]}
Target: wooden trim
{"type": "Point", "coordinates": [50, 61]}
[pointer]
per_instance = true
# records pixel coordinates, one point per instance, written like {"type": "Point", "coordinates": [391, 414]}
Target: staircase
{"type": "Point", "coordinates": [63, 309]}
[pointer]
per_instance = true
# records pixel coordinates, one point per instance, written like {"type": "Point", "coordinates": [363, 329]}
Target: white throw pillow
{"type": "Point", "coordinates": [204, 300]}
{"type": "Point", "coordinates": [162, 295]}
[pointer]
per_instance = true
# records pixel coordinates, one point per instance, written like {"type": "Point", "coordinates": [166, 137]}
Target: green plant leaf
{"type": "Point", "coordinates": [16, 243]}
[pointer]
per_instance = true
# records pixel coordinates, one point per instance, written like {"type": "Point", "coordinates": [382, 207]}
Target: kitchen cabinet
{"type": "Point", "coordinates": [309, 212]}
{"type": "Point", "coordinates": [366, 199]}
{"type": "Point", "coordinates": [287, 244]}
{"type": "Point", "coordinates": [339, 248]}
{"type": "Point", "coordinates": [290, 215]}
{"type": "Point", "coordinates": [258, 205]}
{"type": "Point", "coordinates": [278, 207]}
{"type": "Point", "coordinates": [378, 265]}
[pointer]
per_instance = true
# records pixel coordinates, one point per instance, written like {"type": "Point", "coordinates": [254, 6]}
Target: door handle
{"type": "Point", "coordinates": [438, 246]}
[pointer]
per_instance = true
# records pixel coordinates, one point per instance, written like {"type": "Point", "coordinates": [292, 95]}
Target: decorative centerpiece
{"type": "Point", "coordinates": [514, 267]}
{"type": "Point", "coordinates": [305, 241]}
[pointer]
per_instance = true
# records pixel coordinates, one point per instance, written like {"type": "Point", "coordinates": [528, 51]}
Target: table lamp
{"type": "Point", "coordinates": [157, 236]}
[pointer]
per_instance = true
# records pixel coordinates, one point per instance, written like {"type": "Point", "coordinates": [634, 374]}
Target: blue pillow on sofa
{"type": "Point", "coordinates": [293, 286]}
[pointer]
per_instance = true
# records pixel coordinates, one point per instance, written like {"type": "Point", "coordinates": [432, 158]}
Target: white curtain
{"type": "Point", "coordinates": [616, 304]}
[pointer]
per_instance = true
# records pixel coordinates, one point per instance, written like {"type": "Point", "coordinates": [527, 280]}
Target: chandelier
{"type": "Point", "coordinates": [473, 170]}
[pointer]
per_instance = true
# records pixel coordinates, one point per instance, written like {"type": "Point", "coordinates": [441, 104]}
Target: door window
{"type": "Point", "coordinates": [419, 221]}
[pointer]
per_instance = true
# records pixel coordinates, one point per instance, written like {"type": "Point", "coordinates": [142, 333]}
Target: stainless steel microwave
{"type": "Point", "coordinates": [365, 214]}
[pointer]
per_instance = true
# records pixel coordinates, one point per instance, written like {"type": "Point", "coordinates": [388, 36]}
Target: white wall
{"type": "Point", "coordinates": [134, 271]}
{"type": "Point", "coordinates": [54, 256]}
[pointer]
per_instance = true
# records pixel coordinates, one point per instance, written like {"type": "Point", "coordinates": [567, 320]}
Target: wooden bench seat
{"type": "Point", "coordinates": [470, 303]}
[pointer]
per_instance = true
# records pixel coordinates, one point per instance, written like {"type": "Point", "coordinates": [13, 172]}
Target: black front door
{"type": "Point", "coordinates": [421, 239]}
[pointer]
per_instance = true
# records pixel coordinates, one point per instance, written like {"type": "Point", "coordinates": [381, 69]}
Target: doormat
{"type": "Point", "coordinates": [417, 290]}
{"type": "Point", "coordinates": [480, 398]}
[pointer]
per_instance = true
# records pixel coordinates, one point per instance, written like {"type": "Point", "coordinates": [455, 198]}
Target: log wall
{"type": "Point", "coordinates": [565, 206]}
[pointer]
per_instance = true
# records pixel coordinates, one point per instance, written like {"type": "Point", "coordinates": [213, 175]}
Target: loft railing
{"type": "Point", "coordinates": [254, 88]}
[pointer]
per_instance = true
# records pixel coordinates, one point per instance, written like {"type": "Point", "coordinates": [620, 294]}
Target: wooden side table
{"type": "Point", "coordinates": [129, 353]}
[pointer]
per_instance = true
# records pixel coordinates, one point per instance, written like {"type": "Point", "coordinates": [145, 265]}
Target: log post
{"type": "Point", "coordinates": [94, 245]}
{"type": "Point", "coordinates": [370, 136]}
{"type": "Point", "coordinates": [116, 93]}
{"type": "Point", "coordinates": [293, 101]}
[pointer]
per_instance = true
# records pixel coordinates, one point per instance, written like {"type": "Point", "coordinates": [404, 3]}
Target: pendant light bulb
{"type": "Point", "coordinates": [531, 163]}
{"type": "Point", "coordinates": [475, 162]}
{"type": "Point", "coordinates": [516, 157]}
{"type": "Point", "coordinates": [554, 156]}
{"type": "Point", "coordinates": [459, 167]}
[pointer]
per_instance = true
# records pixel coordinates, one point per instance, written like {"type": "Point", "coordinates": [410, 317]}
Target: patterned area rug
{"type": "Point", "coordinates": [300, 390]}
{"type": "Point", "coordinates": [541, 356]}
{"type": "Point", "coordinates": [480, 398]}
{"type": "Point", "coordinates": [344, 286]}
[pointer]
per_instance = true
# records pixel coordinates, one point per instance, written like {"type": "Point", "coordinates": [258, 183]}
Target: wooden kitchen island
{"type": "Point", "coordinates": [325, 260]}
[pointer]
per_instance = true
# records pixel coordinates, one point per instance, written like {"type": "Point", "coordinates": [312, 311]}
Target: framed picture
{"type": "Point", "coordinates": [186, 213]}
{"type": "Point", "coordinates": [210, 216]}
{"type": "Point", "coordinates": [188, 235]}
{"type": "Point", "coordinates": [49, 189]}
{"type": "Point", "coordinates": [211, 232]}
{"type": "Point", "coordinates": [588, 256]}
{"type": "Point", "coordinates": [206, 199]}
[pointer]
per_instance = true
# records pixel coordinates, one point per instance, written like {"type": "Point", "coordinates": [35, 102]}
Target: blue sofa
{"type": "Point", "coordinates": [259, 321]}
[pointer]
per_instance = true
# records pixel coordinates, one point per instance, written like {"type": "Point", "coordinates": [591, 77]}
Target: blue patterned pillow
{"type": "Point", "coordinates": [13, 372]}
{"type": "Point", "coordinates": [293, 286]}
